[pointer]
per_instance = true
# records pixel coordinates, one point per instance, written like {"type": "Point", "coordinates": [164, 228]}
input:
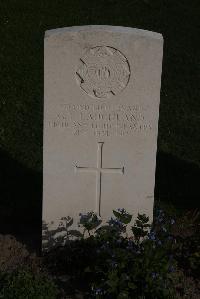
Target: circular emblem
{"type": "Point", "coordinates": [103, 72]}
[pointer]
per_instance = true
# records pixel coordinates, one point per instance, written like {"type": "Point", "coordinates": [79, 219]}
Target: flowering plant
{"type": "Point", "coordinates": [124, 260]}
{"type": "Point", "coordinates": [130, 266]}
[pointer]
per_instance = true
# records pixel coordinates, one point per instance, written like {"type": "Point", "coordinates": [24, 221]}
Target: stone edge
{"type": "Point", "coordinates": [117, 29]}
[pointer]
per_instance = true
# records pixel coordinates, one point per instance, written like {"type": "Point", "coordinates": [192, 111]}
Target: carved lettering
{"type": "Point", "coordinates": [101, 120]}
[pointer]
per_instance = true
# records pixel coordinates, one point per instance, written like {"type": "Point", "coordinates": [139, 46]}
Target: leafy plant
{"type": "Point", "coordinates": [89, 222]}
{"type": "Point", "coordinates": [58, 236]}
{"type": "Point", "coordinates": [110, 262]}
{"type": "Point", "coordinates": [140, 229]}
{"type": "Point", "coordinates": [131, 267]}
{"type": "Point", "coordinates": [24, 284]}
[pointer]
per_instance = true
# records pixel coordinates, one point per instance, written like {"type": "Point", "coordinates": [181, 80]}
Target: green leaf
{"type": "Point", "coordinates": [126, 219]}
{"type": "Point", "coordinates": [75, 233]}
{"type": "Point", "coordinates": [132, 286]}
{"type": "Point", "coordinates": [68, 224]}
{"type": "Point", "coordinates": [123, 295]}
{"type": "Point", "coordinates": [87, 270]}
{"type": "Point", "coordinates": [143, 218]}
{"type": "Point", "coordinates": [117, 214]}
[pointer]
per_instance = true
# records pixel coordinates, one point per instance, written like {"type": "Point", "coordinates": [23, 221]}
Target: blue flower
{"type": "Point", "coordinates": [154, 275]}
{"type": "Point", "coordinates": [84, 217]}
{"type": "Point", "coordinates": [160, 213]}
{"type": "Point", "coordinates": [98, 291]}
{"type": "Point", "coordinates": [113, 264]}
{"type": "Point", "coordinates": [172, 221]}
{"type": "Point", "coordinates": [123, 211]}
{"type": "Point", "coordinates": [119, 241]}
{"type": "Point", "coordinates": [152, 235]}
{"type": "Point", "coordinates": [160, 219]}
{"type": "Point", "coordinates": [130, 245]}
{"type": "Point", "coordinates": [171, 269]}
{"type": "Point", "coordinates": [115, 223]}
{"type": "Point", "coordinates": [103, 246]}
{"type": "Point", "coordinates": [127, 277]}
{"type": "Point", "coordinates": [159, 242]}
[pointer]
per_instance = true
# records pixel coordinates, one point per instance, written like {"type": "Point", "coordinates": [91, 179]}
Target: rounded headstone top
{"type": "Point", "coordinates": [117, 29]}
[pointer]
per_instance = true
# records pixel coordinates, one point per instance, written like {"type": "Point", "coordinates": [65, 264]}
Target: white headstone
{"type": "Point", "coordinates": [101, 109]}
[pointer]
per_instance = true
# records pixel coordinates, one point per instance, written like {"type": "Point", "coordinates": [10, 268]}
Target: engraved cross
{"type": "Point", "coordinates": [99, 170]}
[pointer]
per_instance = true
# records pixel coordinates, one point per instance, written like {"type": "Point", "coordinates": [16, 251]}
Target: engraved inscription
{"type": "Point", "coordinates": [103, 72]}
{"type": "Point", "coordinates": [101, 120]}
{"type": "Point", "coordinates": [99, 170]}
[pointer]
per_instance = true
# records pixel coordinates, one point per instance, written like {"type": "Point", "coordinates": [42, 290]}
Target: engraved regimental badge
{"type": "Point", "coordinates": [103, 72]}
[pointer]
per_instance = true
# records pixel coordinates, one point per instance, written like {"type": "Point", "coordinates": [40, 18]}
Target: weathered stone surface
{"type": "Point", "coordinates": [101, 108]}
